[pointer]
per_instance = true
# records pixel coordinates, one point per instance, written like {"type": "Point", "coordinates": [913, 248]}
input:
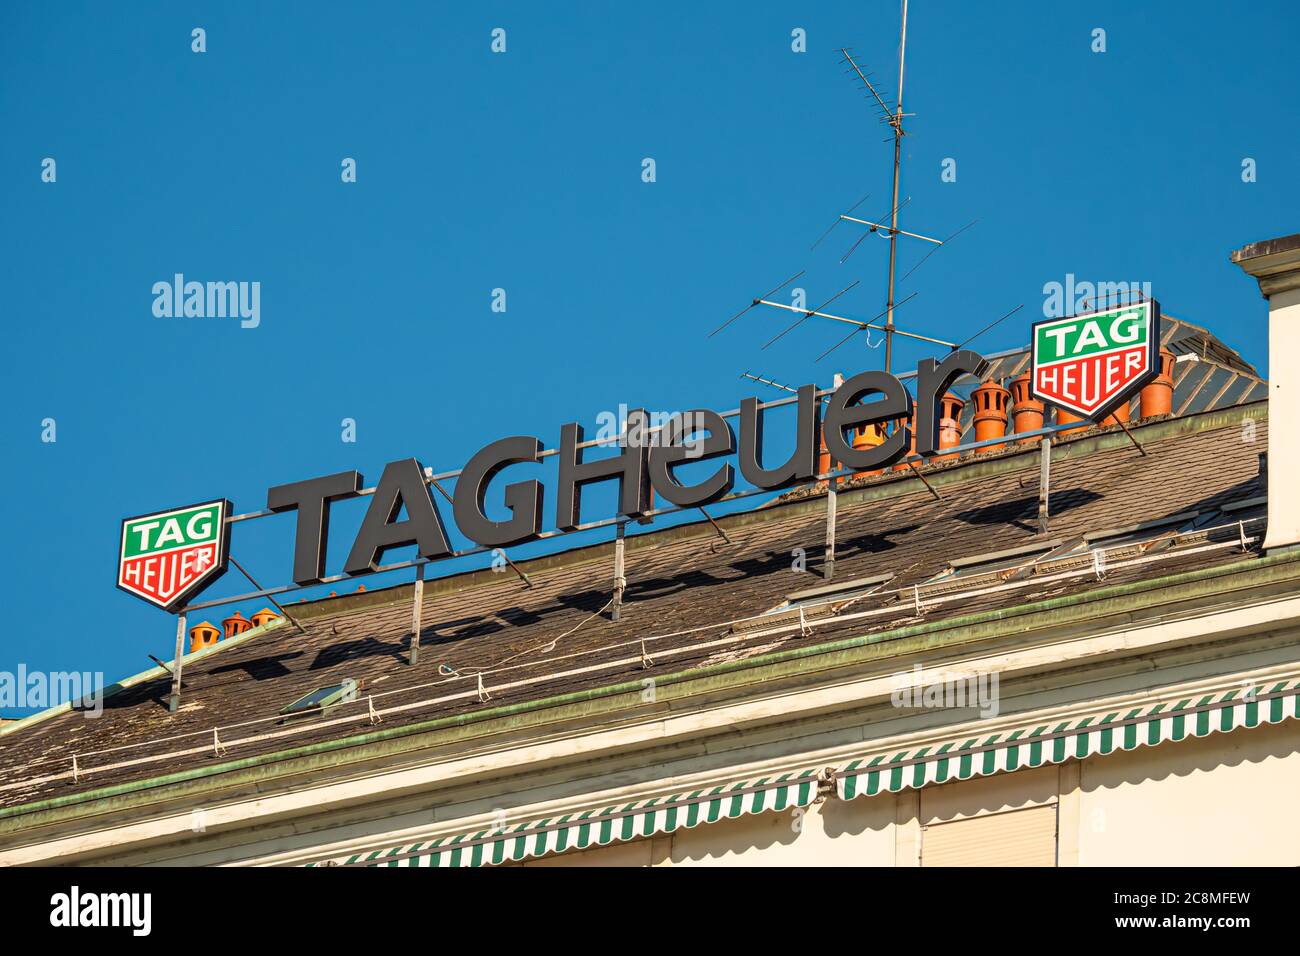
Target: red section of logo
{"type": "Point", "coordinates": [163, 575]}
{"type": "Point", "coordinates": [1086, 384]}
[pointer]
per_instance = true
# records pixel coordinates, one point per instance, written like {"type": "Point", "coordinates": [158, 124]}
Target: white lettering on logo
{"type": "Point", "coordinates": [171, 532]}
{"type": "Point", "coordinates": [1091, 336]}
{"type": "Point", "coordinates": [194, 530]}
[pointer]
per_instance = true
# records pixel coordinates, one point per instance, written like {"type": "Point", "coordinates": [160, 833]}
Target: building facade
{"type": "Point", "coordinates": [1077, 652]}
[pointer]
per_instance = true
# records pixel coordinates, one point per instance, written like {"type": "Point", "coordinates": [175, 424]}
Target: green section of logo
{"type": "Point", "coordinates": [174, 529]}
{"type": "Point", "coordinates": [1090, 335]}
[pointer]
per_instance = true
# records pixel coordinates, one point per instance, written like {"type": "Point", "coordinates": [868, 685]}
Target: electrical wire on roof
{"type": "Point", "coordinates": [550, 645]}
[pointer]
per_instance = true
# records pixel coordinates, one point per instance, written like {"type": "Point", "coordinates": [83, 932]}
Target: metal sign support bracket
{"type": "Point", "coordinates": [620, 580]}
{"type": "Point", "coordinates": [828, 566]}
{"type": "Point", "coordinates": [1044, 482]}
{"type": "Point", "coordinates": [174, 704]}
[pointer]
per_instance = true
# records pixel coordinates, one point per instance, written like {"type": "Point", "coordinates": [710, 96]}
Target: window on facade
{"type": "Point", "coordinates": [1012, 838]}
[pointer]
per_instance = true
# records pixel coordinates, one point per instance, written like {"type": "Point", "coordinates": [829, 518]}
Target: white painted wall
{"type": "Point", "coordinates": [1283, 411]}
{"type": "Point", "coordinates": [1223, 800]}
{"type": "Point", "coordinates": [832, 833]}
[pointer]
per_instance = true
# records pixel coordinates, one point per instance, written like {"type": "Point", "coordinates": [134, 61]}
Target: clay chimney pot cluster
{"type": "Point", "coordinates": [206, 634]}
{"type": "Point", "coordinates": [992, 403]}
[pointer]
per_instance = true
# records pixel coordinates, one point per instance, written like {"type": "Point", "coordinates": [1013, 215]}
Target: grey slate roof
{"type": "Point", "coordinates": [685, 586]}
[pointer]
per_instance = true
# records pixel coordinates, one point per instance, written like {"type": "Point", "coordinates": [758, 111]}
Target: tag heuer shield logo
{"type": "Point", "coordinates": [1091, 363]}
{"type": "Point", "coordinates": [168, 557]}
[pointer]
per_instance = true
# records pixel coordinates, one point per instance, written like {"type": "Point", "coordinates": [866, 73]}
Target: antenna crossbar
{"type": "Point", "coordinates": [858, 322]}
{"type": "Point", "coordinates": [890, 230]}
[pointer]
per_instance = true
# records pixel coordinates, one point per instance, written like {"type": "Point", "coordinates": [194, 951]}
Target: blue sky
{"type": "Point", "coordinates": [522, 171]}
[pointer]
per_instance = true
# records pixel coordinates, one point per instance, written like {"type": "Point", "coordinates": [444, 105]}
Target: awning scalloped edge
{"type": "Point", "coordinates": [1053, 743]}
{"type": "Point", "coordinates": [581, 831]}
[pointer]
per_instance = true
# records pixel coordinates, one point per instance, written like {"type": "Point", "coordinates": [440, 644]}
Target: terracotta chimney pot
{"type": "Point", "coordinates": [1026, 412]}
{"type": "Point", "coordinates": [911, 446]}
{"type": "Point", "coordinates": [869, 436]}
{"type": "Point", "coordinates": [1120, 414]}
{"type": "Point", "coordinates": [236, 624]}
{"type": "Point", "coordinates": [824, 463]}
{"type": "Point", "coordinates": [991, 401]}
{"type": "Point", "coordinates": [1157, 396]}
{"type": "Point", "coordinates": [264, 616]}
{"type": "Point", "coordinates": [203, 635]}
{"type": "Point", "coordinates": [1064, 417]}
{"type": "Point", "coordinates": [950, 407]}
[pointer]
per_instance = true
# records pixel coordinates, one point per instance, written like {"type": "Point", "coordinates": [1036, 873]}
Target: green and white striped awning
{"type": "Point", "coordinates": [1042, 744]}
{"type": "Point", "coordinates": [1033, 745]}
{"type": "Point", "coordinates": [593, 828]}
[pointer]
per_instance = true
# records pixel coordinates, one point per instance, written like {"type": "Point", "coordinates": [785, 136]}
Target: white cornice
{"type": "Point", "coordinates": [1276, 271]}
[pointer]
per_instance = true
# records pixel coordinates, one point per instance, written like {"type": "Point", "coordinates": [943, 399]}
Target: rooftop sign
{"type": "Point", "coordinates": [166, 558]}
{"type": "Point", "coordinates": [169, 556]}
{"type": "Point", "coordinates": [1089, 364]}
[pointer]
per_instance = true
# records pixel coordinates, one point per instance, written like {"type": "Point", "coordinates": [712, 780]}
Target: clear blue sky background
{"type": "Point", "coordinates": [523, 171]}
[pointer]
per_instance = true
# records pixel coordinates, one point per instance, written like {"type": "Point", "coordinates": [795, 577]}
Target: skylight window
{"type": "Point", "coordinates": [323, 699]}
{"type": "Point", "coordinates": [815, 603]}
{"type": "Point", "coordinates": [1143, 538]}
{"type": "Point", "coordinates": [833, 593]}
{"type": "Point", "coordinates": [1006, 564]}
{"type": "Point", "coordinates": [1151, 531]}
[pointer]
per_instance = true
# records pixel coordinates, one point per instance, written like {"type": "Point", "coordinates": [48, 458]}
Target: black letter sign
{"type": "Point", "coordinates": [802, 465]}
{"type": "Point", "coordinates": [669, 452]}
{"type": "Point", "coordinates": [312, 500]}
{"type": "Point", "coordinates": [524, 498]}
{"type": "Point", "coordinates": [844, 412]}
{"type": "Point", "coordinates": [401, 484]}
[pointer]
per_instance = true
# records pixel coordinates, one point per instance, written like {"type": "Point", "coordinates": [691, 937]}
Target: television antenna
{"type": "Point", "coordinates": [886, 225]}
{"type": "Point", "coordinates": [894, 118]}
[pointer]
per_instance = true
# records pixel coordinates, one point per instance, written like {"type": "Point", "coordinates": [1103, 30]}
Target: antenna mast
{"type": "Point", "coordinates": [897, 124]}
{"type": "Point", "coordinates": [894, 117]}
